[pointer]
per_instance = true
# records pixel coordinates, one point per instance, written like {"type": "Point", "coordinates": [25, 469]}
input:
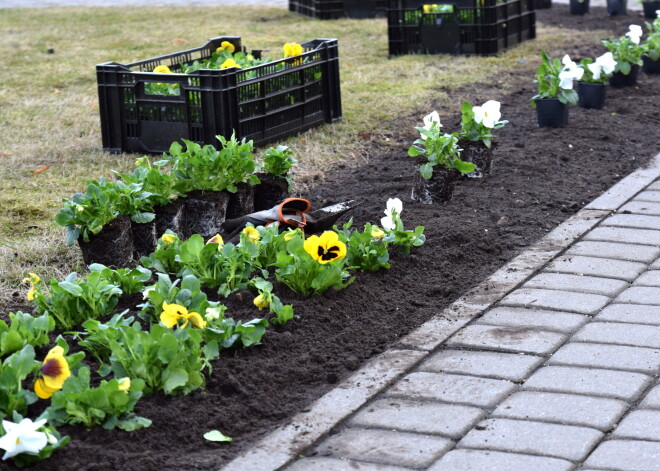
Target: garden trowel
{"type": "Point", "coordinates": [291, 213]}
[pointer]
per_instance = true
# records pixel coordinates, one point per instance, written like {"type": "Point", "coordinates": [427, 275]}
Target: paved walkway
{"type": "Point", "coordinates": [551, 364]}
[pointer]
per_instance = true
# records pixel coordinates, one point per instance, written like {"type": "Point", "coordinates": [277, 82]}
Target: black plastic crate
{"type": "Point", "coordinates": [333, 9]}
{"type": "Point", "coordinates": [473, 27]}
{"type": "Point", "coordinates": [261, 103]}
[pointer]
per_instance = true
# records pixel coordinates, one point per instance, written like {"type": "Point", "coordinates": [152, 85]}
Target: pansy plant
{"type": "Point", "coordinates": [652, 42]}
{"type": "Point", "coordinates": [478, 122]}
{"type": "Point", "coordinates": [555, 79]}
{"type": "Point", "coordinates": [26, 441]}
{"type": "Point", "coordinates": [598, 70]}
{"type": "Point", "coordinates": [440, 149]}
{"type": "Point", "coordinates": [627, 50]}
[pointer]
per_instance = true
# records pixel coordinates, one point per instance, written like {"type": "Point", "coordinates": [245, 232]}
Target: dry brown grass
{"type": "Point", "coordinates": [49, 110]}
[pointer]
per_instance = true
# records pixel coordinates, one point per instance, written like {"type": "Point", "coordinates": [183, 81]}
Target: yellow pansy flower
{"type": "Point", "coordinates": [124, 384]}
{"type": "Point", "coordinates": [292, 49]}
{"type": "Point", "coordinates": [261, 301]}
{"type": "Point", "coordinates": [172, 313]}
{"type": "Point", "coordinates": [168, 239]}
{"type": "Point", "coordinates": [226, 46]}
{"type": "Point", "coordinates": [377, 233]}
{"type": "Point", "coordinates": [162, 69]}
{"type": "Point", "coordinates": [229, 63]}
{"type": "Point", "coordinates": [325, 248]}
{"type": "Point", "coordinates": [54, 371]}
{"type": "Point", "coordinates": [251, 234]}
{"type": "Point", "coordinates": [216, 239]}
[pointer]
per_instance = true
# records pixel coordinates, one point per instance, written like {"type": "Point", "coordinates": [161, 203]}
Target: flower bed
{"type": "Point", "coordinates": [259, 103]}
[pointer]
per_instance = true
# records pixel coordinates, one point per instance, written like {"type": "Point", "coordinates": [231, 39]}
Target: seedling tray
{"type": "Point", "coordinates": [261, 103]}
{"type": "Point", "coordinates": [333, 9]}
{"type": "Point", "coordinates": [471, 27]}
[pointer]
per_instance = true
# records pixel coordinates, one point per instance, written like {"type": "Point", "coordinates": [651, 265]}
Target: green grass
{"type": "Point", "coordinates": [49, 104]}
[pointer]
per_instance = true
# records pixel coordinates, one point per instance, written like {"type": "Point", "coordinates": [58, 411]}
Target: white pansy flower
{"type": "Point", "coordinates": [23, 437]}
{"type": "Point", "coordinates": [429, 120]}
{"type": "Point", "coordinates": [634, 33]}
{"type": "Point", "coordinates": [595, 70]}
{"type": "Point", "coordinates": [657, 13]}
{"type": "Point", "coordinates": [568, 63]}
{"type": "Point", "coordinates": [212, 313]}
{"type": "Point", "coordinates": [488, 114]}
{"type": "Point", "coordinates": [606, 62]}
{"type": "Point", "coordinates": [393, 209]}
{"type": "Point", "coordinates": [145, 293]}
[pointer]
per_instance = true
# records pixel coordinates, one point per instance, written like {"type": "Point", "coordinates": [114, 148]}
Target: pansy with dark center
{"type": "Point", "coordinates": [325, 248]}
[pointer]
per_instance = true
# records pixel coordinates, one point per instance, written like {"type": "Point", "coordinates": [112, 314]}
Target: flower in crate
{"type": "Point", "coordinates": [23, 437]}
{"type": "Point", "coordinates": [162, 69]}
{"type": "Point", "coordinates": [634, 33]}
{"type": "Point", "coordinates": [325, 248]}
{"type": "Point", "coordinates": [393, 210]}
{"type": "Point", "coordinates": [487, 114]}
{"type": "Point", "coordinates": [226, 46]}
{"type": "Point", "coordinates": [173, 313]}
{"type": "Point", "coordinates": [53, 372]}
{"type": "Point", "coordinates": [251, 234]}
{"type": "Point", "coordinates": [292, 49]}
{"type": "Point", "coordinates": [433, 8]}
{"type": "Point", "coordinates": [230, 63]}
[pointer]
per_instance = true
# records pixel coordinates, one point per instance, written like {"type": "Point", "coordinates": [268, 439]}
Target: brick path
{"type": "Point", "coordinates": [551, 364]}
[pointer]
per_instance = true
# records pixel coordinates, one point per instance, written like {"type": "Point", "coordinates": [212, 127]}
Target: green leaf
{"type": "Point", "coordinates": [174, 378]}
{"type": "Point", "coordinates": [426, 170]}
{"type": "Point", "coordinates": [464, 167]}
{"type": "Point", "coordinates": [143, 218]}
{"type": "Point", "coordinates": [133, 423]}
{"type": "Point", "coordinates": [413, 151]}
{"type": "Point", "coordinates": [11, 342]}
{"type": "Point", "coordinates": [71, 288]}
{"type": "Point", "coordinates": [217, 436]}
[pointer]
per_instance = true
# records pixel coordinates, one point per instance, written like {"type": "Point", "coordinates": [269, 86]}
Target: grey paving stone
{"type": "Point", "coordinates": [648, 195]}
{"type": "Point", "coordinates": [514, 367]}
{"type": "Point", "coordinates": [487, 460]}
{"type": "Point", "coordinates": [597, 382]}
{"type": "Point", "coordinates": [581, 303]}
{"type": "Point", "coordinates": [655, 186]}
{"type": "Point", "coordinates": [633, 220]}
{"type": "Point", "coordinates": [626, 455]}
{"type": "Point", "coordinates": [630, 313]}
{"type": "Point", "coordinates": [655, 265]}
{"type": "Point", "coordinates": [470, 390]}
{"type": "Point", "coordinates": [511, 339]}
{"type": "Point", "coordinates": [423, 417]}
{"type": "Point", "coordinates": [384, 447]}
{"type": "Point", "coordinates": [649, 278]}
{"type": "Point", "coordinates": [568, 409]}
{"type": "Point", "coordinates": [634, 252]}
{"type": "Point", "coordinates": [616, 357]}
{"type": "Point", "coordinates": [620, 334]}
{"type": "Point", "coordinates": [520, 436]}
{"type": "Point", "coordinates": [640, 295]}
{"type": "Point", "coordinates": [570, 282]}
{"type": "Point", "coordinates": [534, 318]}
{"type": "Point", "coordinates": [594, 266]}
{"type": "Point", "coordinates": [624, 190]}
{"type": "Point", "coordinates": [333, 464]}
{"type": "Point", "coordinates": [640, 424]}
{"type": "Point", "coordinates": [625, 234]}
{"type": "Point", "coordinates": [642, 207]}
{"type": "Point", "coordinates": [652, 399]}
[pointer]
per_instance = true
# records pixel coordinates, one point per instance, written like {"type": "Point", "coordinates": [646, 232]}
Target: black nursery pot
{"type": "Point", "coordinates": [617, 7]}
{"type": "Point", "coordinates": [591, 95]}
{"type": "Point", "coordinates": [551, 113]}
{"type": "Point", "coordinates": [438, 189]}
{"type": "Point", "coordinates": [270, 192]}
{"type": "Point", "coordinates": [579, 8]}
{"type": "Point", "coordinates": [618, 80]}
{"type": "Point", "coordinates": [204, 212]}
{"type": "Point", "coordinates": [540, 4]}
{"type": "Point", "coordinates": [478, 154]}
{"type": "Point", "coordinates": [112, 247]}
{"type": "Point", "coordinates": [650, 66]}
{"type": "Point", "coordinates": [650, 8]}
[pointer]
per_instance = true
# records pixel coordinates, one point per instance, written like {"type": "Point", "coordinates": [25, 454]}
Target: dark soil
{"type": "Point", "coordinates": [539, 177]}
